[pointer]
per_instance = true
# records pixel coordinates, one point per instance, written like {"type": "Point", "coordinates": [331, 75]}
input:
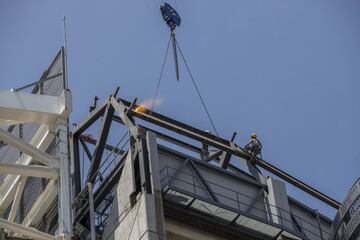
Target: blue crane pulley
{"type": "Point", "coordinates": [172, 19]}
{"type": "Point", "coordinates": [170, 16]}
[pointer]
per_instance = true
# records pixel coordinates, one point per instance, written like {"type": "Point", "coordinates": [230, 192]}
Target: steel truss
{"type": "Point", "coordinates": [51, 114]}
{"type": "Point", "coordinates": [121, 111]}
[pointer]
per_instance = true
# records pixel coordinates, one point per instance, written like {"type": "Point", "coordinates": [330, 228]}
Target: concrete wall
{"type": "Point", "coordinates": [136, 216]}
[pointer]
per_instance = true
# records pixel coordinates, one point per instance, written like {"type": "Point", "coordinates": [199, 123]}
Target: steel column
{"type": "Point", "coordinates": [75, 163]}
{"type": "Point", "coordinates": [64, 201]}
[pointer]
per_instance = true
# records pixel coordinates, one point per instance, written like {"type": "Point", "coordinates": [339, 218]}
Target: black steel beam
{"type": "Point", "coordinates": [173, 140]}
{"type": "Point", "coordinates": [74, 142]}
{"type": "Point", "coordinates": [298, 225]}
{"type": "Point", "coordinates": [86, 148]}
{"type": "Point", "coordinates": [214, 156]}
{"type": "Point", "coordinates": [89, 120]}
{"type": "Point", "coordinates": [225, 145]}
{"type": "Point", "coordinates": [144, 165]}
{"type": "Point", "coordinates": [224, 162]}
{"type": "Point", "coordinates": [189, 147]}
{"type": "Point", "coordinates": [177, 126]}
{"type": "Point", "coordinates": [100, 144]}
{"type": "Point", "coordinates": [297, 183]}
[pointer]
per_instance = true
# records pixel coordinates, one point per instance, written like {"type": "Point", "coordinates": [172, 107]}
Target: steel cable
{"type": "Point", "coordinates": [160, 77]}
{"type": "Point", "coordinates": [196, 87]}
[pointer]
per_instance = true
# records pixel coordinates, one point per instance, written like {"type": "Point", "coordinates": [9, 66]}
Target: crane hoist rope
{"type": "Point", "coordinates": [172, 19]}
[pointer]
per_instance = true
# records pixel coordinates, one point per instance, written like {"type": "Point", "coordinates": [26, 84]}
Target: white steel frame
{"type": "Point", "coordinates": [52, 113]}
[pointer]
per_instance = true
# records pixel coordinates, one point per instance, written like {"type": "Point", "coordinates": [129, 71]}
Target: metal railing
{"type": "Point", "coordinates": [237, 202]}
{"type": "Point", "coordinates": [110, 161]}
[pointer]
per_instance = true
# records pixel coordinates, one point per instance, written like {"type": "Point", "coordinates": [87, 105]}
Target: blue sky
{"type": "Point", "coordinates": [288, 70]}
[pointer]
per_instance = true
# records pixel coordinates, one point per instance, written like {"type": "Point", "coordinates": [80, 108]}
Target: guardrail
{"type": "Point", "coordinates": [231, 200]}
{"type": "Point", "coordinates": [110, 162]}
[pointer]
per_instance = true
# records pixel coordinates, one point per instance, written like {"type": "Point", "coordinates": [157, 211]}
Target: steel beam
{"type": "Point", "coordinates": [17, 198]}
{"type": "Point", "coordinates": [26, 231]}
{"type": "Point", "coordinates": [185, 145]}
{"type": "Point", "coordinates": [215, 155]}
{"type": "Point", "coordinates": [225, 145]}
{"type": "Point", "coordinates": [41, 205]}
{"type": "Point", "coordinates": [26, 107]}
{"type": "Point", "coordinates": [144, 165]}
{"type": "Point", "coordinates": [75, 163]}
{"type": "Point", "coordinates": [93, 116]}
{"type": "Point", "coordinates": [100, 145]}
{"type": "Point", "coordinates": [297, 183]}
{"type": "Point", "coordinates": [42, 80]}
{"type": "Point", "coordinates": [224, 162]}
{"type": "Point", "coordinates": [29, 170]}
{"type": "Point", "coordinates": [27, 148]}
{"type": "Point", "coordinates": [121, 110]}
{"type": "Point", "coordinates": [42, 139]}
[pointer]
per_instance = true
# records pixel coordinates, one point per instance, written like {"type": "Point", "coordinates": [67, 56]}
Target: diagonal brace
{"type": "Point", "coordinates": [27, 148]}
{"type": "Point", "coordinates": [255, 199]}
{"type": "Point", "coordinates": [26, 231]}
{"type": "Point", "coordinates": [121, 110]}
{"type": "Point", "coordinates": [17, 199]}
{"type": "Point", "coordinates": [202, 179]}
{"type": "Point", "coordinates": [100, 145]}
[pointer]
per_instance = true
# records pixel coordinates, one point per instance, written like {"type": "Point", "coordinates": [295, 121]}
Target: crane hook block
{"type": "Point", "coordinates": [170, 16]}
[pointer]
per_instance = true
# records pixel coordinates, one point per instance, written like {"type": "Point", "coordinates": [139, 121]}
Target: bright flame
{"type": "Point", "coordinates": [142, 107]}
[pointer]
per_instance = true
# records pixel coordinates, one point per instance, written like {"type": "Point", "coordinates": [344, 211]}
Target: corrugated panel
{"type": "Point", "coordinates": [8, 154]}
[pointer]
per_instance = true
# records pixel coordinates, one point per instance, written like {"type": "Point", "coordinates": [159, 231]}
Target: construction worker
{"type": "Point", "coordinates": [253, 147]}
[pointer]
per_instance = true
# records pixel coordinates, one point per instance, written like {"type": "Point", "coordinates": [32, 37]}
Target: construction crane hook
{"type": "Point", "coordinates": [172, 19]}
{"type": "Point", "coordinates": [170, 16]}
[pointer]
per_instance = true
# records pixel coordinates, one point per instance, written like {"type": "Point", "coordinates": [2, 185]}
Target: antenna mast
{"type": "Point", "coordinates": [65, 74]}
